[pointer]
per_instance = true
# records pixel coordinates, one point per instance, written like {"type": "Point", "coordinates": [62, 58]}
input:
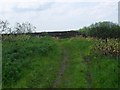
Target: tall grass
{"type": "Point", "coordinates": [21, 54]}
{"type": "Point", "coordinates": [32, 62]}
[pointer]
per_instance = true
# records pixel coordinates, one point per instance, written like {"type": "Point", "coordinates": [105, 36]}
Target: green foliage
{"type": "Point", "coordinates": [18, 54]}
{"type": "Point", "coordinates": [102, 30]}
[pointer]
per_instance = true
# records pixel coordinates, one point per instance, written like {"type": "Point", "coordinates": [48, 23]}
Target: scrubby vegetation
{"type": "Point", "coordinates": [110, 48]}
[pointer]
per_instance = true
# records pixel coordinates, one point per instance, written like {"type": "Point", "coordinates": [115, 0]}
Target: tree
{"type": "Point", "coordinates": [24, 28]}
{"type": "Point", "coordinates": [18, 29]}
{"type": "Point", "coordinates": [102, 30]}
{"type": "Point", "coordinates": [4, 28]}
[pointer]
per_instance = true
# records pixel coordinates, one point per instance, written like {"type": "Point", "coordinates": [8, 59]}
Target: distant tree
{"type": "Point", "coordinates": [24, 28]}
{"type": "Point", "coordinates": [19, 28]}
{"type": "Point", "coordinates": [84, 31]}
{"type": "Point", "coordinates": [107, 30]}
{"type": "Point", "coordinates": [4, 28]}
{"type": "Point", "coordinates": [102, 30]}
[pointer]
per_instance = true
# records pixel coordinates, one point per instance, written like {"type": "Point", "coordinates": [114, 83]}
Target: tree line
{"type": "Point", "coordinates": [19, 28]}
{"type": "Point", "coordinates": [102, 30]}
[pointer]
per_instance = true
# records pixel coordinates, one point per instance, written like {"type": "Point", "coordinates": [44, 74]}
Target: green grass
{"type": "Point", "coordinates": [74, 76]}
{"type": "Point", "coordinates": [105, 72]}
{"type": "Point", "coordinates": [35, 63]}
{"type": "Point", "coordinates": [41, 73]}
{"type": "Point", "coordinates": [22, 59]}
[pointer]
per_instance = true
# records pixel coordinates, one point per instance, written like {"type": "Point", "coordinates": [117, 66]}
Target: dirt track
{"type": "Point", "coordinates": [62, 69]}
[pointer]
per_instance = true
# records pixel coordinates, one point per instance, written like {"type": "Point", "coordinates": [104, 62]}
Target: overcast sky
{"type": "Point", "coordinates": [59, 14]}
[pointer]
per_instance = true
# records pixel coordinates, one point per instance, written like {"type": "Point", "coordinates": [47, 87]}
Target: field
{"type": "Point", "coordinates": [47, 62]}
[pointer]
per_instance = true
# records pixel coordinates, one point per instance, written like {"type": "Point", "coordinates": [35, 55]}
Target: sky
{"type": "Point", "coordinates": [58, 15]}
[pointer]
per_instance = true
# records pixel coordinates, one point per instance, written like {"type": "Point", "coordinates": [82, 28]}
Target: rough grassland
{"type": "Point", "coordinates": [57, 63]}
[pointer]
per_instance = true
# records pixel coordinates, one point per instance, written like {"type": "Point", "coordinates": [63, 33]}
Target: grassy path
{"type": "Point", "coordinates": [85, 70]}
{"type": "Point", "coordinates": [75, 74]}
{"type": "Point", "coordinates": [62, 68]}
{"type": "Point", "coordinates": [73, 71]}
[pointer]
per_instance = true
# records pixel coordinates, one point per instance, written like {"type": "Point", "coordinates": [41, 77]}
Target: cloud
{"type": "Point", "coordinates": [27, 7]}
{"type": "Point", "coordinates": [58, 14]}
{"type": "Point", "coordinates": [7, 6]}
